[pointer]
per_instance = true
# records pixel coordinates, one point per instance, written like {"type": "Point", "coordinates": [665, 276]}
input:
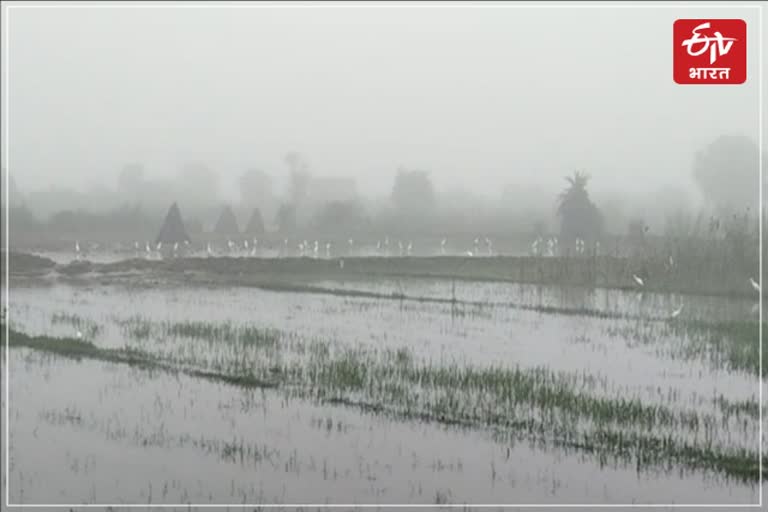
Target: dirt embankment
{"type": "Point", "coordinates": [20, 263]}
{"type": "Point", "coordinates": [604, 271]}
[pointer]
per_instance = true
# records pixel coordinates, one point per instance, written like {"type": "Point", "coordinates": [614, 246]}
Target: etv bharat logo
{"type": "Point", "coordinates": [710, 51]}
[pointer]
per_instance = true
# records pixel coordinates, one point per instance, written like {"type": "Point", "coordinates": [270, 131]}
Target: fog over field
{"type": "Point", "coordinates": [391, 253]}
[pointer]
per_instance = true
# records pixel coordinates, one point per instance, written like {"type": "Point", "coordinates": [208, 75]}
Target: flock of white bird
{"type": "Point", "coordinates": [305, 248]}
{"type": "Point", "coordinates": [540, 248]}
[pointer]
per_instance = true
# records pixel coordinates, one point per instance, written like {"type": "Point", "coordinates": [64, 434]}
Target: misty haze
{"type": "Point", "coordinates": [377, 254]}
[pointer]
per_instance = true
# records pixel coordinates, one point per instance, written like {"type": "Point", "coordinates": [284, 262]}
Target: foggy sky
{"type": "Point", "coordinates": [481, 97]}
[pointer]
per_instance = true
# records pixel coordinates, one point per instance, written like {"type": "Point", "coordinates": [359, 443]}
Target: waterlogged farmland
{"type": "Point", "coordinates": [388, 391]}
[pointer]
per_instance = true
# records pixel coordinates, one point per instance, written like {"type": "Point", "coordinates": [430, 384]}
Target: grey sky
{"type": "Point", "coordinates": [481, 97]}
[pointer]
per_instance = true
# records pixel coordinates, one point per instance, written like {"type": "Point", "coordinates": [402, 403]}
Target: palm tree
{"type": "Point", "coordinates": [579, 217]}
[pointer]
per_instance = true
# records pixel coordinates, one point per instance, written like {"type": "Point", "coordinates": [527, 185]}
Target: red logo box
{"type": "Point", "coordinates": [709, 52]}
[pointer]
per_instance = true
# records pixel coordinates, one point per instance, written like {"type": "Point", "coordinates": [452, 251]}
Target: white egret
{"type": "Point", "coordinates": [677, 312]}
{"type": "Point", "coordinates": [550, 247]}
{"type": "Point", "coordinates": [535, 247]}
{"type": "Point", "coordinates": [638, 280]}
{"type": "Point", "coordinates": [409, 248]}
{"type": "Point", "coordinates": [754, 284]}
{"type": "Point", "coordinates": [442, 245]}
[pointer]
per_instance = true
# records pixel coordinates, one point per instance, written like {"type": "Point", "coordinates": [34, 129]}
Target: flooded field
{"type": "Point", "coordinates": [509, 394]}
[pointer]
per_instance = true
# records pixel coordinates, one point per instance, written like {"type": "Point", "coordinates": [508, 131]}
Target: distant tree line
{"type": "Point", "coordinates": [726, 173]}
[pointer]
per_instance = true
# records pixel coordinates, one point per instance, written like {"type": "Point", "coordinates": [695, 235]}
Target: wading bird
{"type": "Point", "coordinates": [442, 246]}
{"type": "Point", "coordinates": [536, 247]}
{"type": "Point", "coordinates": [754, 284]}
{"type": "Point", "coordinates": [638, 280]}
{"type": "Point", "coordinates": [677, 312]}
{"type": "Point", "coordinates": [550, 247]}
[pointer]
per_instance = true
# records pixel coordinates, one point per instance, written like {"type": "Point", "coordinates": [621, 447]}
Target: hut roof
{"type": "Point", "coordinates": [227, 223]}
{"type": "Point", "coordinates": [173, 229]}
{"type": "Point", "coordinates": [256, 224]}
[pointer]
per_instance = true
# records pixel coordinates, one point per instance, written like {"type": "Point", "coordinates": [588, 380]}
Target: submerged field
{"type": "Point", "coordinates": [386, 390]}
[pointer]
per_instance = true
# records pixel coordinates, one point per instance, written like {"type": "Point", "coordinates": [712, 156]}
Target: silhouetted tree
{"type": "Point", "coordinates": [173, 230]}
{"type": "Point", "coordinates": [412, 192]}
{"type": "Point", "coordinates": [340, 217]}
{"type": "Point", "coordinates": [255, 224]}
{"type": "Point", "coordinates": [579, 217]}
{"type": "Point", "coordinates": [727, 172]}
{"type": "Point", "coordinates": [286, 218]}
{"type": "Point", "coordinates": [227, 223]}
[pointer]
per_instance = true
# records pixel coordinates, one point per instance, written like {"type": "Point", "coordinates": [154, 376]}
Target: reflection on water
{"type": "Point", "coordinates": [110, 433]}
{"type": "Point", "coordinates": [94, 432]}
